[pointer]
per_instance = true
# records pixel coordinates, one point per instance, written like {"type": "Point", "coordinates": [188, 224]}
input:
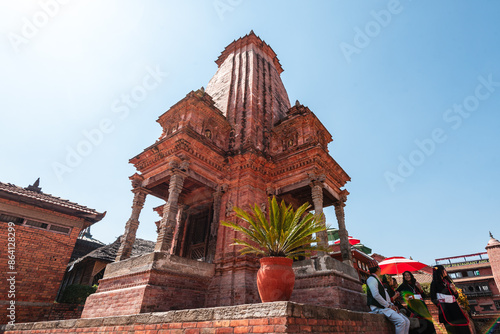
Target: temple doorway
{"type": "Point", "coordinates": [198, 228]}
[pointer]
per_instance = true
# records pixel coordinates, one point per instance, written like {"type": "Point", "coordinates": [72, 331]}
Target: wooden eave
{"type": "Point", "coordinates": [52, 203]}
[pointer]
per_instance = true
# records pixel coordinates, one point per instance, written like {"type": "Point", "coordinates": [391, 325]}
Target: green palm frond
{"type": "Point", "coordinates": [286, 232]}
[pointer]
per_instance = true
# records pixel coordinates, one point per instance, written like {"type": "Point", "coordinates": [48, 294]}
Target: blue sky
{"type": "Point", "coordinates": [409, 90]}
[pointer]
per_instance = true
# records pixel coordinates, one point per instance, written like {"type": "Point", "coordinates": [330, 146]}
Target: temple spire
{"type": "Point", "coordinates": [248, 90]}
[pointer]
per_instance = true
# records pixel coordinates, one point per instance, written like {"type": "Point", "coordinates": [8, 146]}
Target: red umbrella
{"type": "Point", "coordinates": [398, 264]}
{"type": "Point", "coordinates": [352, 241]}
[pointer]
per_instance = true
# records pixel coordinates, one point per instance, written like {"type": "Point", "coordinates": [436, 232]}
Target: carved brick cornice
{"type": "Point", "coordinates": [157, 156]}
{"type": "Point", "coordinates": [323, 164]}
{"type": "Point", "coordinates": [251, 161]}
{"type": "Point", "coordinates": [299, 130]}
{"type": "Point", "coordinates": [182, 107]}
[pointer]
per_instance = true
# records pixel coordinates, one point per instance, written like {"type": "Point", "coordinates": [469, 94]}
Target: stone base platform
{"type": "Point", "coordinates": [159, 282]}
{"type": "Point", "coordinates": [152, 282]}
{"type": "Point", "coordinates": [277, 317]}
{"type": "Point", "coordinates": [324, 281]}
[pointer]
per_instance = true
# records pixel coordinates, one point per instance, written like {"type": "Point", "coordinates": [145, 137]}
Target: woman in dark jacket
{"type": "Point", "coordinates": [444, 295]}
{"type": "Point", "coordinates": [387, 282]}
{"type": "Point", "coordinates": [413, 294]}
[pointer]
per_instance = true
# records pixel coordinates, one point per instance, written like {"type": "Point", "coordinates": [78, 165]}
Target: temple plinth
{"type": "Point", "coordinates": [234, 144]}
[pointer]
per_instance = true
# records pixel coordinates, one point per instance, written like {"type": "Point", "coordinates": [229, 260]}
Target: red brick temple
{"type": "Point", "coordinates": [234, 144]}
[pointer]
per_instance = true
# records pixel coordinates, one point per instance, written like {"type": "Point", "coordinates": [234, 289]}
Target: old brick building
{"type": "Point", "coordinates": [42, 234]}
{"type": "Point", "coordinates": [234, 144]}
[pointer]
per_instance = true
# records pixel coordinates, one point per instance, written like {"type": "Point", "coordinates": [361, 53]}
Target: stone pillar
{"type": "Point", "coordinates": [317, 197]}
{"type": "Point", "coordinates": [345, 247]}
{"type": "Point", "coordinates": [179, 230]}
{"type": "Point", "coordinates": [214, 228]}
{"type": "Point", "coordinates": [168, 221]}
{"type": "Point", "coordinates": [128, 237]}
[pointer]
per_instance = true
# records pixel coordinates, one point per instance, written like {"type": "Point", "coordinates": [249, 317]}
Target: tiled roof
{"type": "Point", "coordinates": [108, 252]}
{"type": "Point", "coordinates": [38, 198]}
{"type": "Point", "coordinates": [84, 245]}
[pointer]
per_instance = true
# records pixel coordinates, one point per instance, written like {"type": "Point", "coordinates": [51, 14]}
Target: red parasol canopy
{"type": "Point", "coordinates": [352, 241]}
{"type": "Point", "coordinates": [398, 264]}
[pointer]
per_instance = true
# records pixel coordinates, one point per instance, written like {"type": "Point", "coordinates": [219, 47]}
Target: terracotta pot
{"type": "Point", "coordinates": [275, 279]}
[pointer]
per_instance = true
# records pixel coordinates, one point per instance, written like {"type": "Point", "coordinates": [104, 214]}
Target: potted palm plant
{"type": "Point", "coordinates": [280, 237]}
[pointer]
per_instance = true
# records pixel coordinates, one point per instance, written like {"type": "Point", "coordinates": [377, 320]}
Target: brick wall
{"type": "Point", "coordinates": [278, 317]}
{"type": "Point", "coordinates": [65, 311]}
{"type": "Point", "coordinates": [41, 259]}
{"type": "Point", "coordinates": [234, 282]}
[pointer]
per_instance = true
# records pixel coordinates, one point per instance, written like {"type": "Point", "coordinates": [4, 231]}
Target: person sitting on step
{"type": "Point", "coordinates": [379, 301]}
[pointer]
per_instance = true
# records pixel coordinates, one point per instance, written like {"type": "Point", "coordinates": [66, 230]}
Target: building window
{"type": "Point", "coordinates": [472, 273]}
{"type": "Point", "coordinates": [208, 134]}
{"type": "Point", "coordinates": [11, 219]}
{"type": "Point", "coordinates": [477, 289]}
{"type": "Point", "coordinates": [46, 226]}
{"type": "Point", "coordinates": [58, 228]}
{"type": "Point", "coordinates": [35, 224]}
{"type": "Point", "coordinates": [497, 304]}
{"type": "Point", "coordinates": [456, 275]}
